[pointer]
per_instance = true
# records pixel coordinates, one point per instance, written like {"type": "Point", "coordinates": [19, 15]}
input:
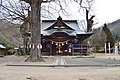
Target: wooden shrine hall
{"type": "Point", "coordinates": [62, 37]}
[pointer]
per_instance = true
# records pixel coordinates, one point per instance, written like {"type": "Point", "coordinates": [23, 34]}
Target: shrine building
{"type": "Point", "coordinates": [62, 37]}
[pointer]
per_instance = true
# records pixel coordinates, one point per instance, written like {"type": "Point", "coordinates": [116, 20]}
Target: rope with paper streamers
{"type": "Point", "coordinates": [59, 42]}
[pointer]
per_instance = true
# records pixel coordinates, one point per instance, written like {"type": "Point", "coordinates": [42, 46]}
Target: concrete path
{"type": "Point", "coordinates": [59, 62]}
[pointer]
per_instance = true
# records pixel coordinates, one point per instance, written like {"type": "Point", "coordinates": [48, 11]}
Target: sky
{"type": "Point", "coordinates": [106, 11]}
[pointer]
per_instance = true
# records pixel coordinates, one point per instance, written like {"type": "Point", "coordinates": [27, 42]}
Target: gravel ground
{"type": "Point", "coordinates": [66, 73]}
{"type": "Point", "coordinates": [93, 61]}
{"type": "Point", "coordinates": [50, 73]}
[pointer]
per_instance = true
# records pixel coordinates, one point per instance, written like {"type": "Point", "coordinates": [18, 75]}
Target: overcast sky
{"type": "Point", "coordinates": [105, 11]}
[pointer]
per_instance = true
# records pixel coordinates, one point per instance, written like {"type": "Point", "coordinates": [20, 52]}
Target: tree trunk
{"type": "Point", "coordinates": [35, 54]}
{"type": "Point", "coordinates": [24, 28]}
{"type": "Point", "coordinates": [87, 20]}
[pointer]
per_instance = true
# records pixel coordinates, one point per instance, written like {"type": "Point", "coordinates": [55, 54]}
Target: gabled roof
{"type": "Point", "coordinates": [59, 24]}
{"type": "Point", "coordinates": [69, 26]}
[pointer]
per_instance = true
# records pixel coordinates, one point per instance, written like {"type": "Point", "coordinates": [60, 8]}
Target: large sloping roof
{"type": "Point", "coordinates": [71, 27]}
{"type": "Point", "coordinates": [59, 24]}
{"type": "Point", "coordinates": [1, 46]}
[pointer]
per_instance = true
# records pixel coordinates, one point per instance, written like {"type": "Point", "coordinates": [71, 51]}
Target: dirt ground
{"type": "Point", "coordinates": [60, 73]}
{"type": "Point", "coordinates": [50, 73]}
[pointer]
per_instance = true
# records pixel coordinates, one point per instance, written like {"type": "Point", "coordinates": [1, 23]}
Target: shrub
{"type": "Point", "coordinates": [9, 49]}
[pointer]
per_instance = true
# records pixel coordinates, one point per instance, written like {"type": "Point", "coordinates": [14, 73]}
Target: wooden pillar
{"type": "Point", "coordinates": [51, 43]}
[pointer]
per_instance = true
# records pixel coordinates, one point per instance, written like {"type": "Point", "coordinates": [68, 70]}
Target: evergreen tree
{"type": "Point", "coordinates": [109, 37]}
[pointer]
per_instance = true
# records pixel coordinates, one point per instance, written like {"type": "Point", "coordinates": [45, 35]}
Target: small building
{"type": "Point", "coordinates": [2, 50]}
{"type": "Point", "coordinates": [62, 37]}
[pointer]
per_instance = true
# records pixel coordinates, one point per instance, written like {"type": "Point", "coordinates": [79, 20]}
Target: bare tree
{"type": "Point", "coordinates": [89, 21]}
{"type": "Point", "coordinates": [86, 5]}
{"type": "Point", "coordinates": [17, 13]}
{"type": "Point", "coordinates": [35, 20]}
{"type": "Point", "coordinates": [35, 26]}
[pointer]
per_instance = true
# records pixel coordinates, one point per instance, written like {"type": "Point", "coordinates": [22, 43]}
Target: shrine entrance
{"type": "Point", "coordinates": [60, 49]}
{"type": "Point", "coordinates": [60, 43]}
